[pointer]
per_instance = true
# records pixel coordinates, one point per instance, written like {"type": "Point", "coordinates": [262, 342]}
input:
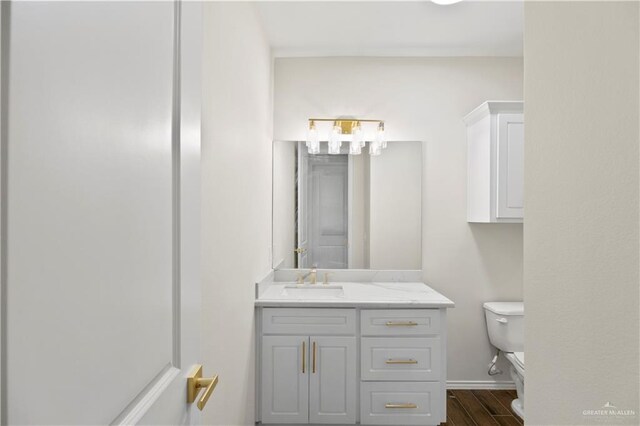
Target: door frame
{"type": "Point", "coordinates": [4, 45]}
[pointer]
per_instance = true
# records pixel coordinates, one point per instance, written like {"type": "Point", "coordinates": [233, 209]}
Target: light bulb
{"type": "Point", "coordinates": [375, 148]}
{"type": "Point", "coordinates": [355, 148]}
{"type": "Point", "coordinates": [380, 139]}
{"type": "Point", "coordinates": [313, 143]}
{"type": "Point", "coordinates": [335, 141]}
{"type": "Point", "coordinates": [357, 142]}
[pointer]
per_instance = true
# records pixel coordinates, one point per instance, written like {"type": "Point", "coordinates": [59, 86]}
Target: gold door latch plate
{"type": "Point", "coordinates": [195, 382]}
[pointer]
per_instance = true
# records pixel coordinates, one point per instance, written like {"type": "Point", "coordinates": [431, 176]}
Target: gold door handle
{"type": "Point", "coordinates": [408, 405]}
{"type": "Point", "coordinates": [304, 356]}
{"type": "Point", "coordinates": [313, 365]}
{"type": "Point", "coordinates": [195, 382]}
{"type": "Point", "coordinates": [300, 250]}
{"type": "Point", "coordinates": [401, 323]}
{"type": "Point", "coordinates": [401, 361]}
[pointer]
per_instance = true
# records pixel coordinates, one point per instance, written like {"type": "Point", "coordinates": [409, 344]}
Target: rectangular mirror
{"type": "Point", "coordinates": [346, 211]}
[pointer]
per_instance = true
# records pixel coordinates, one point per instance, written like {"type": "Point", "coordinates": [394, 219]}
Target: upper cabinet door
{"type": "Point", "coordinates": [285, 379]}
{"type": "Point", "coordinates": [332, 387]}
{"type": "Point", "coordinates": [495, 163]}
{"type": "Point", "coordinates": [510, 202]}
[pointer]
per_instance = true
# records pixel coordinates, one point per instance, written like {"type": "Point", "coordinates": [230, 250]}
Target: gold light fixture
{"type": "Point", "coordinates": [353, 130]}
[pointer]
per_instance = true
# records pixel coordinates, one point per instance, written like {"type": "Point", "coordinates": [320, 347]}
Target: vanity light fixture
{"type": "Point", "coordinates": [355, 131]}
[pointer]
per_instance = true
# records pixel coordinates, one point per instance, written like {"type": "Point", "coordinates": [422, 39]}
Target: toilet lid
{"type": "Point", "coordinates": [519, 358]}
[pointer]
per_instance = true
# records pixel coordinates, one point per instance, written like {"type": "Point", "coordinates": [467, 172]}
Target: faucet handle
{"type": "Point", "coordinates": [326, 277]}
{"type": "Point", "coordinates": [300, 279]}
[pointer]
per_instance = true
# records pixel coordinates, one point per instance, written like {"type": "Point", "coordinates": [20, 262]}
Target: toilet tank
{"type": "Point", "coordinates": [505, 325]}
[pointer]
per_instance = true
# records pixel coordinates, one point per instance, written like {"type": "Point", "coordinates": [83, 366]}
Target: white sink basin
{"type": "Point", "coordinates": [313, 291]}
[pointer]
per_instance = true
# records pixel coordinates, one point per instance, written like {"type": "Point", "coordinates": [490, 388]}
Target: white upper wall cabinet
{"type": "Point", "coordinates": [495, 157]}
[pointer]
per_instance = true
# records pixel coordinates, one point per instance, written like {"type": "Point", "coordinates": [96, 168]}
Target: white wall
{"type": "Point", "coordinates": [581, 196]}
{"type": "Point", "coordinates": [236, 198]}
{"type": "Point", "coordinates": [424, 99]}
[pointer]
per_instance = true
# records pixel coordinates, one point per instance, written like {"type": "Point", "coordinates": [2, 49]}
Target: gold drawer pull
{"type": "Point", "coordinates": [313, 367]}
{"type": "Point", "coordinates": [408, 405]}
{"type": "Point", "coordinates": [401, 361]}
{"type": "Point", "coordinates": [304, 356]}
{"type": "Point", "coordinates": [195, 382]}
{"type": "Point", "coordinates": [401, 323]}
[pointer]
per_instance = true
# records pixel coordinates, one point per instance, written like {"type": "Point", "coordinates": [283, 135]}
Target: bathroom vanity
{"type": "Point", "coordinates": [371, 353]}
{"type": "Point", "coordinates": [369, 346]}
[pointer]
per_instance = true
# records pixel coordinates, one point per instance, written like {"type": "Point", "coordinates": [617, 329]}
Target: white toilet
{"type": "Point", "coordinates": [505, 324]}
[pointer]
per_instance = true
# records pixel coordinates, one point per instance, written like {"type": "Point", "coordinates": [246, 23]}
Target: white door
{"type": "Point", "coordinates": [285, 379]}
{"type": "Point", "coordinates": [328, 209]}
{"type": "Point", "coordinates": [302, 249]}
{"type": "Point", "coordinates": [100, 184]}
{"type": "Point", "coordinates": [332, 386]}
{"type": "Point", "coordinates": [510, 193]}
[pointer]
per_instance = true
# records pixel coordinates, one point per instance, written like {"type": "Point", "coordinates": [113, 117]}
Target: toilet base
{"type": "Point", "coordinates": [517, 408]}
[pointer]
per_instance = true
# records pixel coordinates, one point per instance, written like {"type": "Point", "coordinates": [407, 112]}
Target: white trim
{"type": "Point", "coordinates": [149, 395]}
{"type": "Point", "coordinates": [493, 107]}
{"type": "Point", "coordinates": [480, 384]}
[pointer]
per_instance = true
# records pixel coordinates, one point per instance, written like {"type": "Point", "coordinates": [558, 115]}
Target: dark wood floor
{"type": "Point", "coordinates": [481, 407]}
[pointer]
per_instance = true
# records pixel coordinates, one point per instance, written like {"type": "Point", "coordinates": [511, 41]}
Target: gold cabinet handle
{"type": "Point", "coordinates": [304, 356]}
{"type": "Point", "coordinates": [401, 323]}
{"type": "Point", "coordinates": [408, 405]}
{"type": "Point", "coordinates": [401, 361]}
{"type": "Point", "coordinates": [195, 382]}
{"type": "Point", "coordinates": [313, 364]}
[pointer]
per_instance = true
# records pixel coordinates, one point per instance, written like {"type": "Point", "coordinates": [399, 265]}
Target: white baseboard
{"type": "Point", "coordinates": [480, 384]}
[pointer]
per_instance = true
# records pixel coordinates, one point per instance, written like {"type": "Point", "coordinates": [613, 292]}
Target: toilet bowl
{"type": "Point", "coordinates": [517, 374]}
{"type": "Point", "coordinates": [505, 325]}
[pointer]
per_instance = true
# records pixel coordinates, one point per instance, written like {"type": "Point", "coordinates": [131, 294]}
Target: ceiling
{"type": "Point", "coordinates": [393, 28]}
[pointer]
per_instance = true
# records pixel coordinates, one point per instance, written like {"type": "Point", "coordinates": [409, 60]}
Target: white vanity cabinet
{"type": "Point", "coordinates": [308, 366]}
{"type": "Point", "coordinates": [351, 366]}
{"type": "Point", "coordinates": [495, 160]}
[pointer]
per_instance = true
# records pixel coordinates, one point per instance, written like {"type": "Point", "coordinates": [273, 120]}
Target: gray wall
{"type": "Point", "coordinates": [581, 197]}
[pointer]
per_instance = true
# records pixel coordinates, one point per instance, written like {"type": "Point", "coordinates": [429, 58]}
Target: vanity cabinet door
{"type": "Point", "coordinates": [333, 381]}
{"type": "Point", "coordinates": [285, 379]}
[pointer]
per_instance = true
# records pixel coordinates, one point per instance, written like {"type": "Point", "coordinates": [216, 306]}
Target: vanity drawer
{"type": "Point", "coordinates": [398, 403]}
{"type": "Point", "coordinates": [404, 358]}
{"type": "Point", "coordinates": [399, 322]}
{"type": "Point", "coordinates": [308, 321]}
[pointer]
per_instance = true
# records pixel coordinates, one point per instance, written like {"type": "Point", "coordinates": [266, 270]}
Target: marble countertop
{"type": "Point", "coordinates": [352, 294]}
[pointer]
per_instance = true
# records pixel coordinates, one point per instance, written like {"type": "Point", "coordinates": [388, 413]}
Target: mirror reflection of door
{"type": "Point", "coordinates": [323, 193]}
{"type": "Point", "coordinates": [328, 221]}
